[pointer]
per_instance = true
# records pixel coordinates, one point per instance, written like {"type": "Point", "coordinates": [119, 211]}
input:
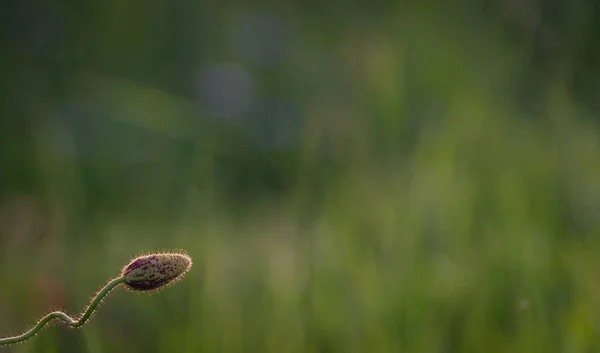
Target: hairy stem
{"type": "Point", "coordinates": [64, 317]}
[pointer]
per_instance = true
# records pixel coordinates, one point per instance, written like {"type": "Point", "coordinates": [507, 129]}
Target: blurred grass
{"type": "Point", "coordinates": [422, 210]}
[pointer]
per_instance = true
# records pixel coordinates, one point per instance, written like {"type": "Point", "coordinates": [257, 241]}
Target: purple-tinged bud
{"type": "Point", "coordinates": [149, 272]}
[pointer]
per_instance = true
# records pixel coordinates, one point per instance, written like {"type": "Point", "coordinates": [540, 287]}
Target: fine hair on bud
{"type": "Point", "coordinates": [154, 271]}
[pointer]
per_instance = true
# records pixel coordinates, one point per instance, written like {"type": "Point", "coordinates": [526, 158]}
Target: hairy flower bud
{"type": "Point", "coordinates": [145, 273]}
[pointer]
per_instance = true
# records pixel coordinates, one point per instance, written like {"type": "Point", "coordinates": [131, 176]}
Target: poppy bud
{"type": "Point", "coordinates": [149, 272]}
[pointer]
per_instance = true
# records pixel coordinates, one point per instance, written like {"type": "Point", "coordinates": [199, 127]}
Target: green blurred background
{"type": "Point", "coordinates": [347, 176]}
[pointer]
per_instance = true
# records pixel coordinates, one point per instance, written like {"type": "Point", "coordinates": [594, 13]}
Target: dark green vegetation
{"type": "Point", "coordinates": [367, 177]}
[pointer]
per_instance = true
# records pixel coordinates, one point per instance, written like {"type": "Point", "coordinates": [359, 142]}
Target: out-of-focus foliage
{"type": "Point", "coordinates": [347, 176]}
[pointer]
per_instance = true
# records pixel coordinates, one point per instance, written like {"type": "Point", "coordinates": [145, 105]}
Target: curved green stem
{"type": "Point", "coordinates": [64, 317]}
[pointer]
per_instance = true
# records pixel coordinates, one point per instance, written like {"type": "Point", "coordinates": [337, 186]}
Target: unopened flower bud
{"type": "Point", "coordinates": [154, 271]}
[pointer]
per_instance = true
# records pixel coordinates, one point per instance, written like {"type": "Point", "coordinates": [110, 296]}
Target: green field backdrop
{"type": "Point", "coordinates": [348, 177]}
